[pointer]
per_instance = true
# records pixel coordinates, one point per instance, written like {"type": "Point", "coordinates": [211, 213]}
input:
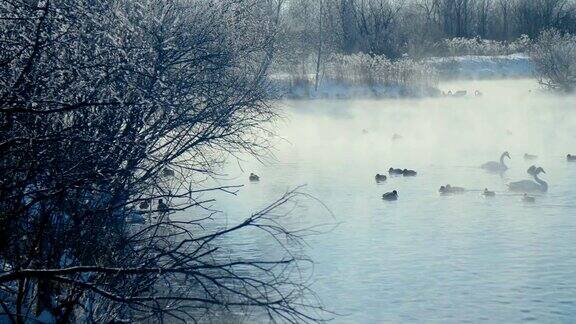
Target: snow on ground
{"type": "Point", "coordinates": [483, 67]}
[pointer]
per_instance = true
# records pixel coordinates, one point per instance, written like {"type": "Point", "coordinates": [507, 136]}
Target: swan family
{"type": "Point", "coordinates": [534, 185]}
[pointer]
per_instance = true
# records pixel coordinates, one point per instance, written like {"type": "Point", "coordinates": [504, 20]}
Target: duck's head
{"type": "Point", "coordinates": [506, 154]}
{"type": "Point", "coordinates": [395, 193]}
{"type": "Point", "coordinates": [540, 170]}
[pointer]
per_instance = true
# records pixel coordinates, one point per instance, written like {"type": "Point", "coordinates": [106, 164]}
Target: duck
{"type": "Point", "coordinates": [162, 207]}
{"type": "Point", "coordinates": [537, 185]}
{"type": "Point", "coordinates": [390, 196]}
{"type": "Point", "coordinates": [409, 173]}
{"type": "Point", "coordinates": [253, 177]}
{"type": "Point", "coordinates": [167, 172]}
{"type": "Point", "coordinates": [477, 93]}
{"type": "Point", "coordinates": [144, 205]}
{"type": "Point", "coordinates": [494, 166]}
{"type": "Point", "coordinates": [530, 157]}
{"type": "Point", "coordinates": [448, 189]}
{"type": "Point", "coordinates": [528, 199]}
{"type": "Point", "coordinates": [488, 193]}
{"type": "Point", "coordinates": [393, 171]}
{"type": "Point", "coordinates": [571, 158]}
{"type": "Point", "coordinates": [380, 177]}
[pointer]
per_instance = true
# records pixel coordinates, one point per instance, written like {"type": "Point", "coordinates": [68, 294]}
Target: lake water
{"type": "Point", "coordinates": [426, 257]}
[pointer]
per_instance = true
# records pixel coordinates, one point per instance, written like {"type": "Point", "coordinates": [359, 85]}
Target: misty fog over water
{"type": "Point", "coordinates": [427, 257]}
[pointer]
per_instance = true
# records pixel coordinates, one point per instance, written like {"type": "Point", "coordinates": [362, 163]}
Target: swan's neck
{"type": "Point", "coordinates": [502, 160]}
{"type": "Point", "coordinates": [543, 184]}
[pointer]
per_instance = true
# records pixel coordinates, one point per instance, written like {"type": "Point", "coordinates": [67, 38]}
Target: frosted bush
{"type": "Point", "coordinates": [364, 69]}
{"type": "Point", "coordinates": [554, 55]}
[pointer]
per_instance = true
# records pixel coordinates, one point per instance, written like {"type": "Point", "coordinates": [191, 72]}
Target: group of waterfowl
{"type": "Point", "coordinates": [534, 185]}
{"type": "Point", "coordinates": [396, 172]}
{"type": "Point", "coordinates": [460, 93]}
{"type": "Point", "coordinates": [393, 195]}
{"type": "Point", "coordinates": [403, 172]}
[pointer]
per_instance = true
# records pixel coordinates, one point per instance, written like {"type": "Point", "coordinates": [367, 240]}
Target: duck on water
{"type": "Point", "coordinates": [448, 189]}
{"type": "Point", "coordinates": [393, 171]}
{"type": "Point", "coordinates": [380, 177]}
{"type": "Point", "coordinates": [390, 196]}
{"type": "Point", "coordinates": [488, 193]}
{"type": "Point", "coordinates": [530, 157]}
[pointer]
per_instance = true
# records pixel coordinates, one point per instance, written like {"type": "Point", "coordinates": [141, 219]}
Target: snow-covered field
{"type": "Point", "coordinates": [483, 67]}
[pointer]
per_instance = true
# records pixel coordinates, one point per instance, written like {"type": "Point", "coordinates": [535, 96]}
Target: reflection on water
{"type": "Point", "coordinates": [428, 257]}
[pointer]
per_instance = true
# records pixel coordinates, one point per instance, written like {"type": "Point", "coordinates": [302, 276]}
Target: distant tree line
{"type": "Point", "coordinates": [392, 28]}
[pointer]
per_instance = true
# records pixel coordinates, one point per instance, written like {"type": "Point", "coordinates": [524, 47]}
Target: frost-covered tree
{"type": "Point", "coordinates": [554, 55]}
{"type": "Point", "coordinates": [106, 107]}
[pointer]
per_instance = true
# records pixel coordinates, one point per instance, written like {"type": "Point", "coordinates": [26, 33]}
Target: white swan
{"type": "Point", "coordinates": [494, 166]}
{"type": "Point", "coordinates": [538, 185]}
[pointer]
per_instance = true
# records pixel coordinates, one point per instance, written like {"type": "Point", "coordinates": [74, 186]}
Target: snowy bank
{"type": "Point", "coordinates": [363, 76]}
{"type": "Point", "coordinates": [483, 67]}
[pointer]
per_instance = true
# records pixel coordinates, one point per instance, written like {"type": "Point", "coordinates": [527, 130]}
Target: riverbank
{"type": "Point", "coordinates": [367, 82]}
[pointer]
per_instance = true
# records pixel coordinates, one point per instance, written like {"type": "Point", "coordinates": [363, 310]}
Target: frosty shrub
{"type": "Point", "coordinates": [364, 69]}
{"type": "Point", "coordinates": [554, 55]}
{"type": "Point", "coordinates": [121, 110]}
